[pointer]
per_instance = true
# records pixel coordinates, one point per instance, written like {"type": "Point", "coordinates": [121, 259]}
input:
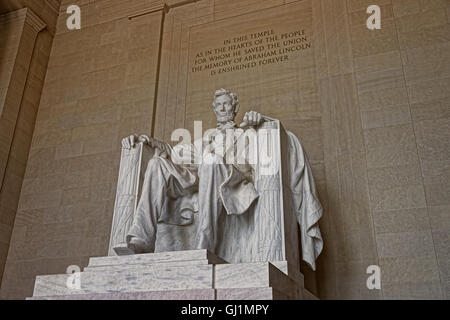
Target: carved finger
{"type": "Point", "coordinates": [144, 139]}
{"type": "Point", "coordinates": [152, 143]}
{"type": "Point", "coordinates": [244, 121]}
{"type": "Point", "coordinates": [255, 118]}
{"type": "Point", "coordinates": [251, 119]}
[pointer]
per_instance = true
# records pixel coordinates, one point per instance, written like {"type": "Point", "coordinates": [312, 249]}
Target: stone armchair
{"type": "Point", "coordinates": [267, 232]}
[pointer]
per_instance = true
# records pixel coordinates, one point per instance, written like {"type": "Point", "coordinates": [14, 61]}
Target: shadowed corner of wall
{"type": "Point", "coordinates": [5, 33]}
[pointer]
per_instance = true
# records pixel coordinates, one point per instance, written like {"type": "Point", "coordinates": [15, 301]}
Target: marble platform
{"type": "Point", "coordinates": [181, 275]}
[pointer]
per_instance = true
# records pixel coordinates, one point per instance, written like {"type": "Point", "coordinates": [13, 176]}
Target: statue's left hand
{"type": "Point", "coordinates": [154, 143]}
{"type": "Point", "coordinates": [252, 118]}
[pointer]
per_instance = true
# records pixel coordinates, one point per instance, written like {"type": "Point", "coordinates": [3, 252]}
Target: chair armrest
{"type": "Point", "coordinates": [133, 164]}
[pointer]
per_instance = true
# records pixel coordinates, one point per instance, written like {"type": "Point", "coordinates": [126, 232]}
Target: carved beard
{"type": "Point", "coordinates": [229, 117]}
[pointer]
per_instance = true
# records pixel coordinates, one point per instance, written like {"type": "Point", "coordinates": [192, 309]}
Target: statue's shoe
{"type": "Point", "coordinates": [134, 246]}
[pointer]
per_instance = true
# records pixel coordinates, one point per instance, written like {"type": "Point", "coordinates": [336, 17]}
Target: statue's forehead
{"type": "Point", "coordinates": [223, 97]}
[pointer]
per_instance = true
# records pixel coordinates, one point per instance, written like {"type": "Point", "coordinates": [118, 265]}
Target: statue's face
{"type": "Point", "coordinates": [224, 108]}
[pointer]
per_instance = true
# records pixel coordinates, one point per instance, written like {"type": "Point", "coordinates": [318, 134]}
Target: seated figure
{"type": "Point", "coordinates": [207, 180]}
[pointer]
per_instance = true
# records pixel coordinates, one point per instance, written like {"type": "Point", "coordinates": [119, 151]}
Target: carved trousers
{"type": "Point", "coordinates": [211, 176]}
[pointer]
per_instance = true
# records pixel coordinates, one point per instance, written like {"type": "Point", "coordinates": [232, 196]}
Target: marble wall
{"type": "Point", "coordinates": [371, 108]}
{"type": "Point", "coordinates": [402, 80]}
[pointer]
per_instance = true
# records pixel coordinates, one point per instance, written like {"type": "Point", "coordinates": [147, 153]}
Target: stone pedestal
{"type": "Point", "coordinates": [181, 275]}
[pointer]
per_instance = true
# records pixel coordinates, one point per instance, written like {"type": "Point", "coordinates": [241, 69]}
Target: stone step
{"type": "Point", "coordinates": [122, 266]}
{"type": "Point", "coordinates": [165, 277]}
{"type": "Point", "coordinates": [256, 275]}
{"type": "Point", "coordinates": [145, 266]}
{"type": "Point", "coordinates": [251, 294]}
{"type": "Point", "coordinates": [193, 294]}
{"type": "Point", "coordinates": [158, 257]}
{"type": "Point", "coordinates": [133, 279]}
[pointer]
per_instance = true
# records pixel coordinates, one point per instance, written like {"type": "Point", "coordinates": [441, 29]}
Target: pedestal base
{"type": "Point", "coordinates": [181, 275]}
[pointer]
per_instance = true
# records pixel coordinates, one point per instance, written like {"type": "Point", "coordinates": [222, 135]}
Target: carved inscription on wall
{"type": "Point", "coordinates": [249, 51]}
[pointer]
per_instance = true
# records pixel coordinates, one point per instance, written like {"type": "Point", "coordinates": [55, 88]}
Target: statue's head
{"type": "Point", "coordinates": [226, 105]}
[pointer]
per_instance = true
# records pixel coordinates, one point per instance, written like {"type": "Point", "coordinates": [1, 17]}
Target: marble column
{"type": "Point", "coordinates": [20, 30]}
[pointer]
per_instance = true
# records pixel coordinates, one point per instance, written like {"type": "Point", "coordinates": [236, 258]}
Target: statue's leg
{"type": "Point", "coordinates": [142, 235]}
{"type": "Point", "coordinates": [211, 176]}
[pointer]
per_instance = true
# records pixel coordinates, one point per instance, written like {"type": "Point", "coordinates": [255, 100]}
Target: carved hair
{"type": "Point", "coordinates": [231, 95]}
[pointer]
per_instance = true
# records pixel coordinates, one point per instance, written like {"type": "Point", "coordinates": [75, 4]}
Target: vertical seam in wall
{"type": "Point", "coordinates": [178, 76]}
{"type": "Point", "coordinates": [372, 221]}
{"type": "Point", "coordinates": [187, 74]}
{"type": "Point", "coordinates": [158, 71]}
{"type": "Point", "coordinates": [418, 156]}
{"type": "Point", "coordinates": [351, 125]}
{"type": "Point", "coordinates": [329, 87]}
{"type": "Point", "coordinates": [318, 85]}
{"type": "Point", "coordinates": [163, 132]}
